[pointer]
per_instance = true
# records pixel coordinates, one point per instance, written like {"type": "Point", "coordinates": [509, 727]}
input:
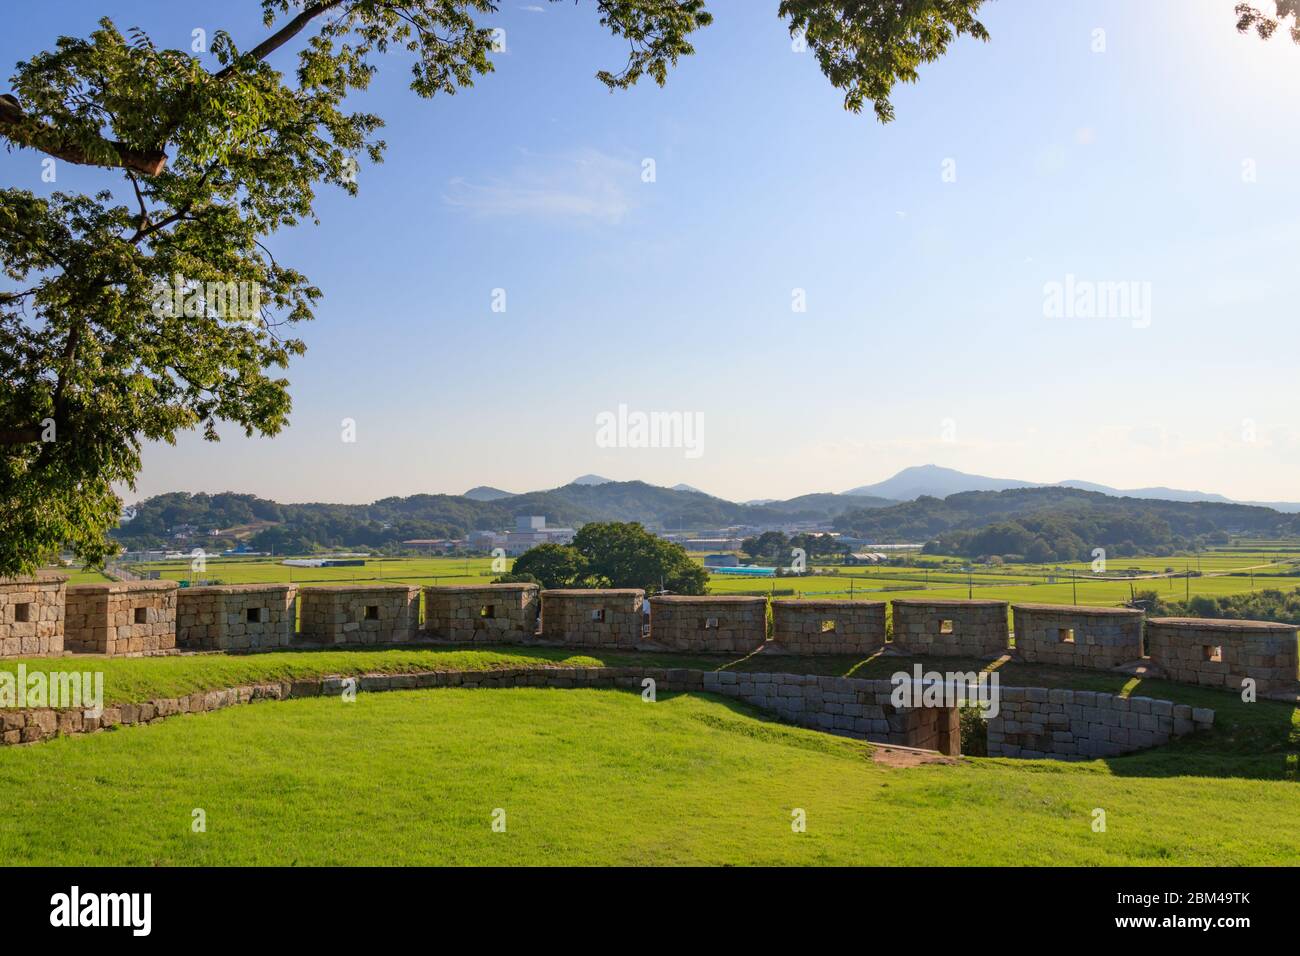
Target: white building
{"type": "Point", "coordinates": [530, 531]}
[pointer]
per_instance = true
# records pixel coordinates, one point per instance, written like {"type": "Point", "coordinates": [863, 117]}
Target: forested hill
{"type": "Point", "coordinates": [1049, 524]}
{"type": "Point", "coordinates": [267, 525]}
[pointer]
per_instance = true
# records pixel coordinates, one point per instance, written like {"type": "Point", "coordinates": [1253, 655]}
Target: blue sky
{"type": "Point", "coordinates": [924, 338]}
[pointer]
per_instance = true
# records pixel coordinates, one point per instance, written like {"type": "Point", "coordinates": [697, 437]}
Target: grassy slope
{"type": "Point", "coordinates": [1257, 740]}
{"type": "Point", "coordinates": [590, 777]}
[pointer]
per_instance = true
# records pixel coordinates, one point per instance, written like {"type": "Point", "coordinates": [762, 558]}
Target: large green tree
{"type": "Point", "coordinates": [550, 565]}
{"type": "Point", "coordinates": [622, 554]}
{"type": "Point", "coordinates": [116, 322]}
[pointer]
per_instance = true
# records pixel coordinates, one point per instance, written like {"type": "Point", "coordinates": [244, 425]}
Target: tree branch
{"type": "Point", "coordinates": [24, 435]}
{"type": "Point", "coordinates": [24, 130]}
{"type": "Point", "coordinates": [285, 33]}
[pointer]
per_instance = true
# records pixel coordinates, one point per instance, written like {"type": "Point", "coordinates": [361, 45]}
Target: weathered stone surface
{"type": "Point", "coordinates": [828, 627]}
{"type": "Point", "coordinates": [709, 623]}
{"type": "Point", "coordinates": [591, 617]}
{"type": "Point", "coordinates": [121, 618]}
{"type": "Point", "coordinates": [32, 615]}
{"type": "Point", "coordinates": [1034, 721]}
{"type": "Point", "coordinates": [236, 617]}
{"type": "Point", "coordinates": [1221, 653]}
{"type": "Point", "coordinates": [359, 614]}
{"type": "Point", "coordinates": [1099, 638]}
{"type": "Point", "coordinates": [484, 613]}
{"type": "Point", "coordinates": [950, 628]}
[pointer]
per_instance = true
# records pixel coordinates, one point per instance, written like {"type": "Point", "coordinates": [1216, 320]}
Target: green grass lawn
{"type": "Point", "coordinates": [593, 777]}
{"type": "Point", "coordinates": [1259, 739]}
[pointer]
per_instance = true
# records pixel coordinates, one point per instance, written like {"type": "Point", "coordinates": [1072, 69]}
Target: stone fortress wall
{"type": "Point", "coordinates": [1036, 722]}
{"type": "Point", "coordinates": [850, 707]}
{"type": "Point", "coordinates": [350, 614]}
{"type": "Point", "coordinates": [594, 617]}
{"type": "Point", "coordinates": [950, 628]}
{"type": "Point", "coordinates": [709, 624]}
{"type": "Point", "coordinates": [1100, 638]}
{"type": "Point", "coordinates": [828, 627]}
{"type": "Point", "coordinates": [122, 617]}
{"type": "Point", "coordinates": [1219, 653]}
{"type": "Point", "coordinates": [486, 613]}
{"type": "Point", "coordinates": [157, 616]}
{"type": "Point", "coordinates": [236, 617]}
{"type": "Point", "coordinates": [32, 615]}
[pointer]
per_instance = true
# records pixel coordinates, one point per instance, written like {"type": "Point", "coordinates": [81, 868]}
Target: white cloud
{"type": "Point", "coordinates": [588, 185]}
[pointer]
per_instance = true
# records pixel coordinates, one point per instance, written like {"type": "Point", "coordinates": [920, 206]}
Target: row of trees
{"type": "Point", "coordinates": [773, 547]}
{"type": "Point", "coordinates": [1070, 537]}
{"type": "Point", "coordinates": [611, 554]}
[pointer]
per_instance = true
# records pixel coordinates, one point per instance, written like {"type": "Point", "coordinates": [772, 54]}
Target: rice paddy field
{"type": "Point", "coordinates": [1212, 573]}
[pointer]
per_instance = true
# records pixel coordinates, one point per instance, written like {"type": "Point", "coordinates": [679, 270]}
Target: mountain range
{"type": "Point", "coordinates": [917, 504]}
{"type": "Point", "coordinates": [937, 482]}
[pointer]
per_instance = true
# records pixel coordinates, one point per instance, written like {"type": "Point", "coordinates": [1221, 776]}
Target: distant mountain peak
{"type": "Point", "coordinates": [486, 493]}
{"type": "Point", "coordinates": [682, 486]}
{"type": "Point", "coordinates": [592, 480]}
{"type": "Point", "coordinates": [935, 481]}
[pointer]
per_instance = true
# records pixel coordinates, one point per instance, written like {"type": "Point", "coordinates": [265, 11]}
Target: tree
{"type": "Point", "coordinates": [771, 545]}
{"type": "Point", "coordinates": [516, 578]}
{"type": "Point", "coordinates": [154, 305]}
{"type": "Point", "coordinates": [551, 566]}
{"type": "Point", "coordinates": [1249, 18]}
{"type": "Point", "coordinates": [624, 555]}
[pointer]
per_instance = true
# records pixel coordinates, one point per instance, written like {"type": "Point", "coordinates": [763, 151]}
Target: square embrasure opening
{"type": "Point", "coordinates": [945, 626]}
{"type": "Point", "coordinates": [22, 612]}
{"type": "Point", "coordinates": [710, 623]}
{"type": "Point", "coordinates": [828, 627]}
{"type": "Point", "coordinates": [372, 612]}
{"type": "Point", "coordinates": [598, 614]}
{"type": "Point", "coordinates": [1213, 652]}
{"type": "Point", "coordinates": [1066, 635]}
{"type": "Point", "coordinates": [253, 615]}
{"type": "Point", "coordinates": [142, 615]}
{"type": "Point", "coordinates": [487, 611]}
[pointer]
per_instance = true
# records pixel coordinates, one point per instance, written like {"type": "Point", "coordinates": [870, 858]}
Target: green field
{"type": "Point", "coordinates": [1222, 573]}
{"type": "Point", "coordinates": [271, 570]}
{"type": "Point", "coordinates": [594, 777]}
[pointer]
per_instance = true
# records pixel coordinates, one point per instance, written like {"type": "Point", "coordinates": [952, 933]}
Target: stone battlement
{"type": "Point", "coordinates": [483, 613]}
{"type": "Point", "coordinates": [32, 615]}
{"type": "Point", "coordinates": [710, 624]}
{"type": "Point", "coordinates": [951, 628]}
{"type": "Point", "coordinates": [1094, 637]}
{"type": "Point", "coordinates": [369, 614]}
{"type": "Point", "coordinates": [1221, 653]}
{"type": "Point", "coordinates": [593, 617]}
{"type": "Point", "coordinates": [828, 627]}
{"type": "Point", "coordinates": [122, 617]}
{"type": "Point", "coordinates": [236, 617]}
